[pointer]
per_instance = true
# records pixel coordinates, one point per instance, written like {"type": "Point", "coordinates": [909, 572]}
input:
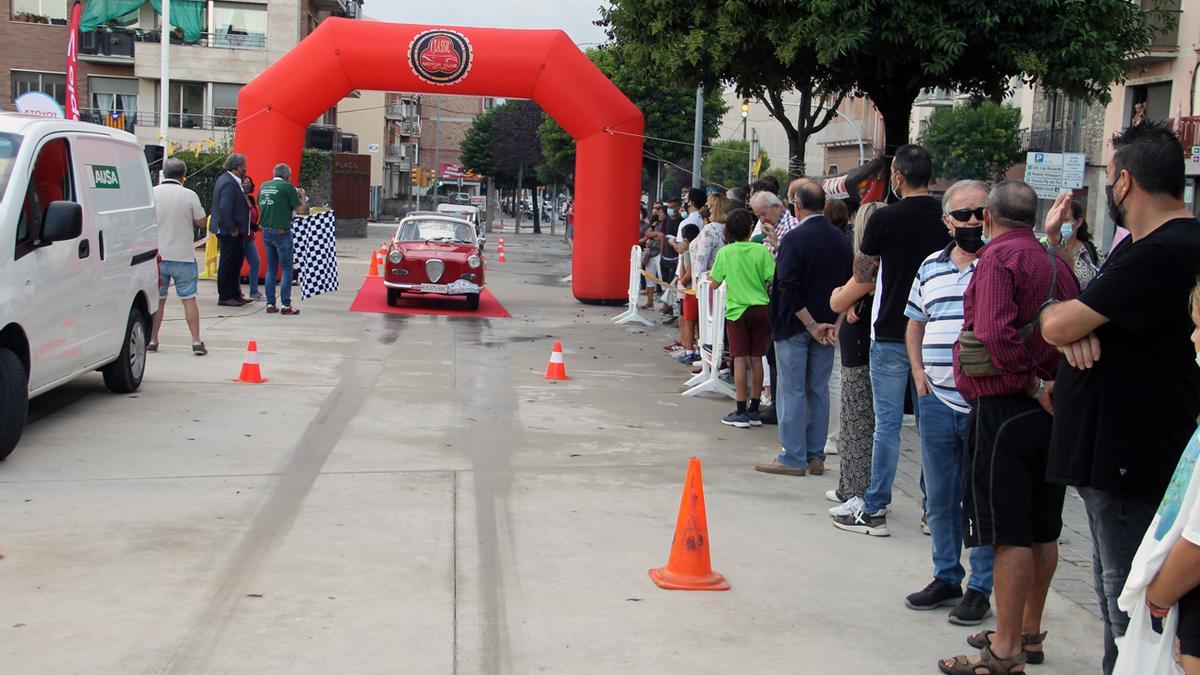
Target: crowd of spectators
{"type": "Point", "coordinates": [1030, 363]}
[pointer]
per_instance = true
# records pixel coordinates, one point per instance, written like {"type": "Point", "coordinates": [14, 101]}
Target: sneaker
{"type": "Point", "coordinates": [971, 610]}
{"type": "Point", "coordinates": [925, 525]}
{"type": "Point", "coordinates": [257, 296]}
{"type": "Point", "coordinates": [736, 419]}
{"type": "Point", "coordinates": [755, 418]}
{"type": "Point", "coordinates": [673, 346]}
{"type": "Point", "coordinates": [847, 507]}
{"type": "Point", "coordinates": [768, 415]}
{"type": "Point", "coordinates": [816, 467]}
{"type": "Point", "coordinates": [775, 466]}
{"type": "Point", "coordinates": [670, 321]}
{"type": "Point", "coordinates": [873, 524]}
{"type": "Point", "coordinates": [199, 349]}
{"type": "Point", "coordinates": [834, 496]}
{"type": "Point", "coordinates": [151, 346]}
{"type": "Point", "coordinates": [937, 594]}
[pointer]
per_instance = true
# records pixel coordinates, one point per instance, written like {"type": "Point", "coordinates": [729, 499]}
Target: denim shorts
{"type": "Point", "coordinates": [184, 274]}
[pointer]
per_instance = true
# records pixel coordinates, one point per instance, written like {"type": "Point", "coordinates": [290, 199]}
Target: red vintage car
{"type": "Point", "coordinates": [434, 254]}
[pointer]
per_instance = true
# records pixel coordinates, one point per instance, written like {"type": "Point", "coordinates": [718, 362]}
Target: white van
{"type": "Point", "coordinates": [78, 275]}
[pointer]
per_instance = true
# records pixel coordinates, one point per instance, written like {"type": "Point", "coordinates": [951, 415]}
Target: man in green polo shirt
{"type": "Point", "coordinates": [278, 199]}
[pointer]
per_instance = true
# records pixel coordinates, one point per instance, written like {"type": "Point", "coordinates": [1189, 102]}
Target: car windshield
{"type": "Point", "coordinates": [435, 230]}
{"type": "Point", "coordinates": [9, 144]}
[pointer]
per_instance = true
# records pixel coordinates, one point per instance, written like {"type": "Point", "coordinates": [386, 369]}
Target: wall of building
{"type": "Point", "coordinates": [363, 116]}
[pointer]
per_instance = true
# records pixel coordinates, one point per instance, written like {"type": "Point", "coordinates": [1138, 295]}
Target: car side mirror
{"type": "Point", "coordinates": [63, 222]}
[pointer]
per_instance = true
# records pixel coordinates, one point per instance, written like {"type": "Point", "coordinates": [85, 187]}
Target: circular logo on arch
{"type": "Point", "coordinates": [440, 56]}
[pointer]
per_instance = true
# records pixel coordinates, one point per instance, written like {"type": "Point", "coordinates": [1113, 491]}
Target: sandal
{"type": "Point", "coordinates": [288, 311]}
{"type": "Point", "coordinates": [984, 639]}
{"type": "Point", "coordinates": [988, 664]}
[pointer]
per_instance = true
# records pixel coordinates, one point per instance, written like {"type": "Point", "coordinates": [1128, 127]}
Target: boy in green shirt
{"type": "Point", "coordinates": [746, 269]}
{"type": "Point", "coordinates": [278, 199]}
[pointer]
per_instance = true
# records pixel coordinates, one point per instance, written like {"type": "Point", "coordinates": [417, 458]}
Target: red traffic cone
{"type": "Point", "coordinates": [250, 371]}
{"type": "Point", "coordinates": [556, 369]}
{"type": "Point", "coordinates": [689, 568]}
{"type": "Point", "coordinates": [500, 250]}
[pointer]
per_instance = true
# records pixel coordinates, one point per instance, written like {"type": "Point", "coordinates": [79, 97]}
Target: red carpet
{"type": "Point", "coordinates": [373, 298]}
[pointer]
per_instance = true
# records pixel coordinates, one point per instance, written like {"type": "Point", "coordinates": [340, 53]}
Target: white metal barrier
{"type": "Point", "coordinates": [711, 320]}
{"type": "Point", "coordinates": [635, 278]}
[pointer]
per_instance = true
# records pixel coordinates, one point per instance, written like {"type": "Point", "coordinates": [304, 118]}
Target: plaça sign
{"type": "Point", "coordinates": [37, 103]}
{"type": "Point", "coordinates": [1049, 173]}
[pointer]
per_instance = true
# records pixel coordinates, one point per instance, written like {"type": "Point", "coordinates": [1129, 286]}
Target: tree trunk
{"type": "Point", "coordinates": [896, 117]}
{"type": "Point", "coordinates": [537, 212]}
{"type": "Point", "coordinates": [795, 163]}
{"type": "Point", "coordinates": [517, 199]}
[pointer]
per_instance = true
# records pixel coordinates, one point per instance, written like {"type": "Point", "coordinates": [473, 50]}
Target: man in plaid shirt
{"type": "Point", "coordinates": [1007, 501]}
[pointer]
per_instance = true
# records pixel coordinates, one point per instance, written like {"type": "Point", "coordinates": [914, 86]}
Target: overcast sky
{"type": "Point", "coordinates": [573, 16]}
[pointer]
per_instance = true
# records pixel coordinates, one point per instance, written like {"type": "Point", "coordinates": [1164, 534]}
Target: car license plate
{"type": "Point", "coordinates": [435, 288]}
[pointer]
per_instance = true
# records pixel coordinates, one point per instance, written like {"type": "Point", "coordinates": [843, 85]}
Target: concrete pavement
{"type": "Point", "coordinates": [408, 495]}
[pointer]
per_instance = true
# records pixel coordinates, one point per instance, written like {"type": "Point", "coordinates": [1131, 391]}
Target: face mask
{"type": "Point", "coordinates": [671, 213]}
{"type": "Point", "coordinates": [984, 238]}
{"type": "Point", "coordinates": [1114, 209]}
{"type": "Point", "coordinates": [892, 187]}
{"type": "Point", "coordinates": [1198, 358]}
{"type": "Point", "coordinates": [1067, 230]}
{"type": "Point", "coordinates": [969, 239]}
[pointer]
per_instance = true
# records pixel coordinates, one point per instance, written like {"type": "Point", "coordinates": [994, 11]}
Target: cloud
{"type": "Point", "coordinates": [573, 16]}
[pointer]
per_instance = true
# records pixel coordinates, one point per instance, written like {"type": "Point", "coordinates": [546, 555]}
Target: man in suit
{"type": "Point", "coordinates": [231, 222]}
{"type": "Point", "coordinates": [813, 259]}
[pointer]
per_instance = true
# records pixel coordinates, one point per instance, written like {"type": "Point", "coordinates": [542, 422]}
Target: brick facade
{"type": "Point", "coordinates": [456, 114]}
{"type": "Point", "coordinates": [42, 48]}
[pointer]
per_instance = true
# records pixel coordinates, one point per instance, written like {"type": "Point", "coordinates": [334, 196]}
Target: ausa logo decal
{"type": "Point", "coordinates": [440, 56]}
{"type": "Point", "coordinates": [104, 177]}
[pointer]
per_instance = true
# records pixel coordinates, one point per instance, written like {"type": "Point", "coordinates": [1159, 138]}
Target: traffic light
{"type": "Point", "coordinates": [415, 176]}
{"type": "Point", "coordinates": [745, 107]}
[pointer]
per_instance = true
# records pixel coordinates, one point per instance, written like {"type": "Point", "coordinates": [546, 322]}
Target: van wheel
{"type": "Point", "coordinates": [473, 301]}
{"type": "Point", "coordinates": [14, 401]}
{"type": "Point", "coordinates": [125, 374]}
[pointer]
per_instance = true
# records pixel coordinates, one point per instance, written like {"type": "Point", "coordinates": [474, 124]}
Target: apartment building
{"type": "Point", "coordinates": [223, 46]}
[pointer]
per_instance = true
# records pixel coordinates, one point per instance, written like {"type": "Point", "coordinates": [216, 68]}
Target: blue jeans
{"type": "Point", "coordinates": [943, 443]}
{"type": "Point", "coordinates": [253, 262]}
{"type": "Point", "coordinates": [889, 378]}
{"type": "Point", "coordinates": [1118, 525]}
{"type": "Point", "coordinates": [802, 402]}
{"type": "Point", "coordinates": [279, 252]}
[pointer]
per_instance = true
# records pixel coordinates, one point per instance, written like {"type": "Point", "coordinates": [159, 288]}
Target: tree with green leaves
{"type": "Point", "coordinates": [666, 104]}
{"type": "Point", "coordinates": [740, 43]}
{"type": "Point", "coordinates": [968, 141]}
{"type": "Point", "coordinates": [503, 143]}
{"type": "Point", "coordinates": [891, 50]}
{"type": "Point", "coordinates": [726, 163]}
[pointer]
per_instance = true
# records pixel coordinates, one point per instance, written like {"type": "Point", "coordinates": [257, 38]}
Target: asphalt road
{"type": "Point", "coordinates": [409, 495]}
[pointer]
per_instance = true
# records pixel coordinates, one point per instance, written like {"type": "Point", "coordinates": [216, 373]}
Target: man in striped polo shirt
{"type": "Point", "coordinates": [935, 313]}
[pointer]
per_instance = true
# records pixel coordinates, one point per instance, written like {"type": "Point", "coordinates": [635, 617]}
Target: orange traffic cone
{"type": "Point", "coordinates": [688, 568]}
{"type": "Point", "coordinates": [377, 257]}
{"type": "Point", "coordinates": [250, 371]}
{"type": "Point", "coordinates": [556, 369]}
{"type": "Point", "coordinates": [500, 250]}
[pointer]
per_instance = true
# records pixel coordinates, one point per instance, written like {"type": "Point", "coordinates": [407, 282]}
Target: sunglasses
{"type": "Point", "coordinates": [964, 215]}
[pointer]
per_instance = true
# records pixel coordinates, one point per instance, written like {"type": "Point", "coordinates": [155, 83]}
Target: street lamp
{"type": "Point", "coordinates": [745, 118]}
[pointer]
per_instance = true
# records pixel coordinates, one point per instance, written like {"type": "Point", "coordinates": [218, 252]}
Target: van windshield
{"type": "Point", "coordinates": [9, 144]}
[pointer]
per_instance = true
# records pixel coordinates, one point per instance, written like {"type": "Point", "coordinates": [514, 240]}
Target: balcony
{"type": "Point", "coordinates": [408, 126]}
{"type": "Point", "coordinates": [399, 157]}
{"type": "Point", "coordinates": [335, 7]}
{"type": "Point", "coordinates": [1165, 43]}
{"type": "Point", "coordinates": [1189, 133]}
{"type": "Point", "coordinates": [1053, 140]}
{"type": "Point", "coordinates": [934, 98]}
{"type": "Point", "coordinates": [219, 40]}
{"type": "Point", "coordinates": [126, 121]}
{"type": "Point", "coordinates": [107, 46]}
{"type": "Point", "coordinates": [222, 120]}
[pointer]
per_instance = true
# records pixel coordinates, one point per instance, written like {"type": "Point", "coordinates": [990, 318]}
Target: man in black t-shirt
{"type": "Point", "coordinates": [899, 237]}
{"type": "Point", "coordinates": [1128, 392]}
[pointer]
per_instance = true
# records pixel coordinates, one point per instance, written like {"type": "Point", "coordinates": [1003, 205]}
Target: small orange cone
{"type": "Point", "coordinates": [250, 371]}
{"type": "Point", "coordinates": [377, 257]}
{"type": "Point", "coordinates": [556, 369]}
{"type": "Point", "coordinates": [688, 568]}
{"type": "Point", "coordinates": [500, 250]}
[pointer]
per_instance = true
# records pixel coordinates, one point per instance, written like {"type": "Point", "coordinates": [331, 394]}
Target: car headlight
{"type": "Point", "coordinates": [395, 257]}
{"type": "Point", "coordinates": [474, 262]}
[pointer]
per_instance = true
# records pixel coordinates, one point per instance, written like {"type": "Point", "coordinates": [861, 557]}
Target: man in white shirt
{"type": "Point", "coordinates": [177, 211]}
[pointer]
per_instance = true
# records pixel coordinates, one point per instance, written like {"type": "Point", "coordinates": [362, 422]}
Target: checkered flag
{"type": "Point", "coordinates": [315, 241]}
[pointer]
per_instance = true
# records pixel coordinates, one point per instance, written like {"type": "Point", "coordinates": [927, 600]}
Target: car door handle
{"type": "Point", "coordinates": [85, 249]}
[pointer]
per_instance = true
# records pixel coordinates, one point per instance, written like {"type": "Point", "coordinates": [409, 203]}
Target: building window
{"type": "Point", "coordinates": [52, 84]}
{"type": "Point", "coordinates": [224, 98]}
{"type": "Point", "coordinates": [114, 102]}
{"type": "Point", "coordinates": [239, 25]}
{"type": "Point", "coordinates": [51, 9]}
{"type": "Point", "coordinates": [186, 105]}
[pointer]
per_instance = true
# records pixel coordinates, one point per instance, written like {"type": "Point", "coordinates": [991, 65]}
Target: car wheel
{"type": "Point", "coordinates": [393, 297]}
{"type": "Point", "coordinates": [125, 374]}
{"type": "Point", "coordinates": [473, 302]}
{"type": "Point", "coordinates": [14, 401]}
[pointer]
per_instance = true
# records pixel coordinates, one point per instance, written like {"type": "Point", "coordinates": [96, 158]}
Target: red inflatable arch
{"type": "Point", "coordinates": [343, 55]}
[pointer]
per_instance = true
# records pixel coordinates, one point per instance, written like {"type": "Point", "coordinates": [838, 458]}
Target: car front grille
{"type": "Point", "coordinates": [434, 269]}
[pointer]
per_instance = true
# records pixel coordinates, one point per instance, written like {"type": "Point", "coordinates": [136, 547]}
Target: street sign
{"type": "Point", "coordinates": [374, 147]}
{"type": "Point", "coordinates": [1048, 173]}
{"type": "Point", "coordinates": [1196, 149]}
